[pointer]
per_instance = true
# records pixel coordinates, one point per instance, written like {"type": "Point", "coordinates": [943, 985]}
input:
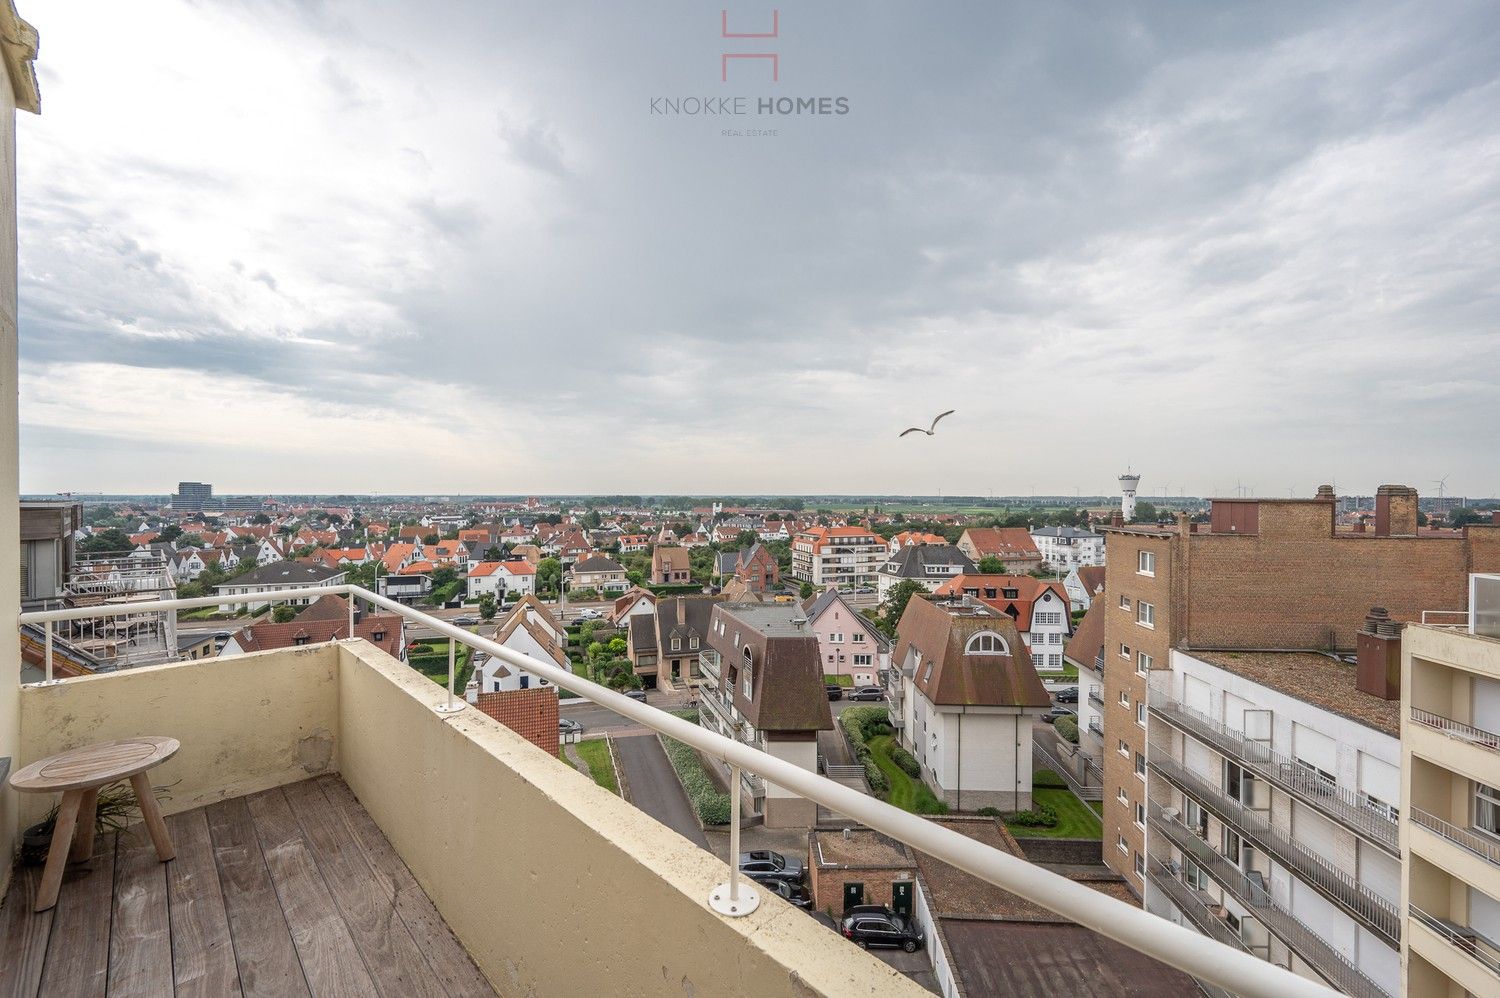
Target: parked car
{"type": "Point", "coordinates": [1069, 695]}
{"type": "Point", "coordinates": [867, 693]}
{"type": "Point", "coordinates": [568, 726]}
{"type": "Point", "coordinates": [466, 621]}
{"type": "Point", "coordinates": [865, 590]}
{"type": "Point", "coordinates": [767, 867]}
{"type": "Point", "coordinates": [636, 695]}
{"type": "Point", "coordinates": [795, 893]}
{"type": "Point", "coordinates": [876, 925]}
{"type": "Point", "coordinates": [1052, 715]}
{"type": "Point", "coordinates": [835, 691]}
{"type": "Point", "coordinates": [590, 614]}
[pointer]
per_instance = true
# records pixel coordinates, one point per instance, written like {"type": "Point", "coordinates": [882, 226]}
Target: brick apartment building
{"type": "Point", "coordinates": [1262, 574]}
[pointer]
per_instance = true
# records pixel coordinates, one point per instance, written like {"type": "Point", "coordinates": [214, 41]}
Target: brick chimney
{"type": "Point", "coordinates": [1396, 511]}
{"type": "Point", "coordinates": [1117, 519]}
{"type": "Point", "coordinates": [681, 611]}
{"type": "Point", "coordinates": [1495, 517]}
{"type": "Point", "coordinates": [1378, 669]}
{"type": "Point", "coordinates": [1326, 492]}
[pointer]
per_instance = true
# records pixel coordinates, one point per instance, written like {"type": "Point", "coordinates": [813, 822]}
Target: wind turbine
{"type": "Point", "coordinates": [1442, 483]}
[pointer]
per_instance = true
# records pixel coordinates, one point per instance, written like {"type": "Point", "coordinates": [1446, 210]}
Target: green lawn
{"type": "Point", "coordinates": [1069, 671]}
{"type": "Point", "coordinates": [906, 793]}
{"type": "Point", "coordinates": [1075, 820]}
{"type": "Point", "coordinates": [595, 752]}
{"type": "Point", "coordinates": [430, 658]}
{"type": "Point", "coordinates": [836, 680]}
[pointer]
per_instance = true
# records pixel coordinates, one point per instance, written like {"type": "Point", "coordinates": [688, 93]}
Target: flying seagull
{"type": "Point", "coordinates": [928, 431]}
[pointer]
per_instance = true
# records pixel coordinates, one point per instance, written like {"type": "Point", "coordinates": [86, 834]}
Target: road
{"type": "Point", "coordinates": [654, 787]}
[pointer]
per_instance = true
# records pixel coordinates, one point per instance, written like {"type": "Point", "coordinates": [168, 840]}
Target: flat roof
{"type": "Point", "coordinates": [1019, 958]}
{"type": "Point", "coordinates": [863, 848]}
{"type": "Point", "coordinates": [774, 620]}
{"type": "Point", "coordinates": [1321, 680]}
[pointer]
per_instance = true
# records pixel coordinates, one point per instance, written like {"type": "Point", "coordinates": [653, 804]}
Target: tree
{"type": "Point", "coordinates": [896, 600]}
{"type": "Point", "coordinates": [746, 538]}
{"type": "Point", "coordinates": [431, 539]}
{"type": "Point", "coordinates": [807, 590]}
{"type": "Point", "coordinates": [591, 520]}
{"type": "Point", "coordinates": [549, 575]}
{"type": "Point", "coordinates": [487, 606]}
{"type": "Point", "coordinates": [1145, 512]}
{"type": "Point", "coordinates": [169, 533]}
{"type": "Point", "coordinates": [261, 520]}
{"type": "Point", "coordinates": [282, 614]}
{"type": "Point", "coordinates": [113, 539]}
{"type": "Point", "coordinates": [990, 565]}
{"type": "Point", "coordinates": [1463, 515]}
{"type": "Point", "coordinates": [493, 553]}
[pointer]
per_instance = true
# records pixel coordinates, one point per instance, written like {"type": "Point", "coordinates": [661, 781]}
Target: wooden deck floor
{"type": "Point", "coordinates": [294, 891]}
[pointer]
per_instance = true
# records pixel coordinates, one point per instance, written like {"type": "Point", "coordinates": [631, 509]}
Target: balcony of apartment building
{"type": "Point", "coordinates": [1287, 774]}
{"type": "Point", "coordinates": [331, 835]}
{"type": "Point", "coordinates": [710, 664]}
{"type": "Point", "coordinates": [1445, 945]}
{"type": "Point", "coordinates": [1210, 914]}
{"type": "Point", "coordinates": [1253, 824]}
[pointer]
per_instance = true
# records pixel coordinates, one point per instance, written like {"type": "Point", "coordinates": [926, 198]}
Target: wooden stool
{"type": "Point", "coordinates": [78, 774]}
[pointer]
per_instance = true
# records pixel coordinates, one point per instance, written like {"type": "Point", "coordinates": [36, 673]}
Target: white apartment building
{"type": "Point", "coordinates": [1066, 548]}
{"type": "Point", "coordinates": [1272, 784]}
{"type": "Point", "coordinates": [1450, 798]}
{"type": "Point", "coordinates": [837, 556]}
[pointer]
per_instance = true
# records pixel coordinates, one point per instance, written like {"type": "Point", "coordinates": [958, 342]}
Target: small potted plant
{"type": "Point", "coordinates": [113, 813]}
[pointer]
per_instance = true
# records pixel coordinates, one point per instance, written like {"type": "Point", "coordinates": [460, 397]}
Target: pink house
{"type": "Point", "coordinates": [848, 643]}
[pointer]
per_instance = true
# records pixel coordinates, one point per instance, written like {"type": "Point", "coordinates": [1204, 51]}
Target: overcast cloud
{"type": "Point", "coordinates": [361, 246]}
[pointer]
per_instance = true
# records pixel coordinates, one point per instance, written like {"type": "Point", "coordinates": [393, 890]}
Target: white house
{"type": "Point", "coordinates": [1064, 548]}
{"type": "Point", "coordinates": [500, 577]}
{"type": "Point", "coordinates": [278, 576]}
{"type": "Point", "coordinates": [268, 553]}
{"type": "Point", "coordinates": [531, 630]}
{"type": "Point", "coordinates": [1039, 608]}
{"type": "Point", "coordinates": [928, 565]}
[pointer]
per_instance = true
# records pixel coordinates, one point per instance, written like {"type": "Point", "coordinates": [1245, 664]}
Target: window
{"type": "Point", "coordinates": [1120, 796]}
{"type": "Point", "coordinates": [1125, 651]}
{"type": "Point", "coordinates": [862, 660]}
{"type": "Point", "coordinates": [1120, 842]}
{"type": "Point", "coordinates": [1308, 771]}
{"type": "Point", "coordinates": [1047, 618]}
{"type": "Point", "coordinates": [1487, 809]}
{"type": "Point", "coordinates": [1140, 765]}
{"type": "Point", "coordinates": [857, 637]}
{"type": "Point", "coordinates": [927, 676]}
{"type": "Point", "coordinates": [1140, 866]}
{"type": "Point", "coordinates": [1054, 662]}
{"type": "Point", "coordinates": [1125, 697]}
{"type": "Point", "coordinates": [677, 644]}
{"type": "Point", "coordinates": [1192, 875]}
{"type": "Point", "coordinates": [1232, 847]}
{"type": "Point", "coordinates": [693, 642]}
{"type": "Point", "coordinates": [1140, 714]}
{"type": "Point", "coordinates": [1124, 750]}
{"type": "Point", "coordinates": [986, 643]}
{"type": "Point", "coordinates": [1143, 662]}
{"type": "Point", "coordinates": [836, 637]}
{"type": "Point", "coordinates": [748, 687]}
{"type": "Point", "coordinates": [1390, 811]}
{"type": "Point", "coordinates": [1140, 815]}
{"type": "Point", "coordinates": [1145, 563]}
{"type": "Point", "coordinates": [1124, 602]}
{"type": "Point", "coordinates": [1054, 639]}
{"type": "Point", "coordinates": [1145, 614]}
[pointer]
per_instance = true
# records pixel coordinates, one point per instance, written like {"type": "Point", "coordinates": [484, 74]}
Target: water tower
{"type": "Point", "coordinates": [1129, 482]}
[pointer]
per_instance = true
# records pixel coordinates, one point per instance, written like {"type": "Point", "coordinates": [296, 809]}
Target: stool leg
{"type": "Point", "coordinates": [57, 855]}
{"type": "Point", "coordinates": [83, 839]}
{"type": "Point", "coordinates": [146, 801]}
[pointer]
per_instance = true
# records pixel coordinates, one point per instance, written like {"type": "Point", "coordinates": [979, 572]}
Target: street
{"type": "Point", "coordinates": [654, 787]}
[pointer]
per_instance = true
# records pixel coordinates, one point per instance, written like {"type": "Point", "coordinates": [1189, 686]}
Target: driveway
{"type": "Point", "coordinates": [654, 787]}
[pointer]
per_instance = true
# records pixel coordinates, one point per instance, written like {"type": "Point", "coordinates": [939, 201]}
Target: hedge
{"type": "Point", "coordinates": [860, 724]}
{"type": "Point", "coordinates": [708, 801]}
{"type": "Point", "coordinates": [1067, 729]}
{"type": "Point", "coordinates": [906, 761]}
{"type": "Point", "coordinates": [1040, 816]}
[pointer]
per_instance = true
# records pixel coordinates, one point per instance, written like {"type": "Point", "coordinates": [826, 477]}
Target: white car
{"type": "Point", "coordinates": [590, 614]}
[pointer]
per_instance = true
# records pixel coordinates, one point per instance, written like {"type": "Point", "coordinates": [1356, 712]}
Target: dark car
{"type": "Point", "coordinates": [636, 695]}
{"type": "Point", "coordinates": [568, 726]}
{"type": "Point", "coordinates": [875, 925]}
{"type": "Point", "coordinates": [835, 692]}
{"type": "Point", "coordinates": [767, 867]}
{"type": "Point", "coordinates": [465, 621]}
{"type": "Point", "coordinates": [794, 893]}
{"type": "Point", "coordinates": [1052, 715]}
{"type": "Point", "coordinates": [867, 693]}
{"type": "Point", "coordinates": [1069, 695]}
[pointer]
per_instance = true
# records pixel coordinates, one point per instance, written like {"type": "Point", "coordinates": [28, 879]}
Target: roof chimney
{"type": "Point", "coordinates": [1325, 492]}
{"type": "Point", "coordinates": [1495, 517]}
{"type": "Point", "coordinates": [681, 610]}
{"type": "Point", "coordinates": [1396, 511]}
{"type": "Point", "coordinates": [1378, 668]}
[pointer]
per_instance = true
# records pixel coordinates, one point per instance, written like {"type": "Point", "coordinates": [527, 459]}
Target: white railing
{"type": "Point", "coordinates": [1456, 729]}
{"type": "Point", "coordinates": [1127, 924]}
{"type": "Point", "coordinates": [1446, 618]}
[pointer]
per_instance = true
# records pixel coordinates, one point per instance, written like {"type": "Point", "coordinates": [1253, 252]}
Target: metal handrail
{"type": "Point", "coordinates": [1300, 938]}
{"type": "Point", "coordinates": [1484, 952]}
{"type": "Point", "coordinates": [1174, 945]}
{"type": "Point", "coordinates": [1336, 802]}
{"type": "Point", "coordinates": [1456, 729]}
{"type": "Point", "coordinates": [1095, 698]}
{"type": "Point", "coordinates": [1194, 907]}
{"type": "Point", "coordinates": [1375, 911]}
{"type": "Point", "coordinates": [1479, 845]}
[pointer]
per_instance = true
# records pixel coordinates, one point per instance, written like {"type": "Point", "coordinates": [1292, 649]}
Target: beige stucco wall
{"type": "Point", "coordinates": [555, 885]}
{"type": "Point", "coordinates": [246, 723]}
{"type": "Point", "coordinates": [10, 524]}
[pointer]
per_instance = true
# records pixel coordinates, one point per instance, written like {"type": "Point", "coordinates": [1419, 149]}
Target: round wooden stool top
{"type": "Point", "coordinates": [95, 765]}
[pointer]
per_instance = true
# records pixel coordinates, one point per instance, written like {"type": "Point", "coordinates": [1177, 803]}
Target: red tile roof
{"type": "Point", "coordinates": [532, 714]}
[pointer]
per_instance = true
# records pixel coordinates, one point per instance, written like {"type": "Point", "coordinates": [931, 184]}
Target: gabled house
{"type": "Point", "coordinates": [1039, 608]}
{"type": "Point", "coordinates": [280, 575]}
{"type": "Point", "coordinates": [500, 577]}
{"type": "Point", "coordinates": [630, 543]}
{"type": "Point", "coordinates": [635, 601]}
{"type": "Point", "coordinates": [671, 566]}
{"type": "Point", "coordinates": [531, 630]}
{"type": "Point", "coordinates": [754, 566]}
{"type": "Point", "coordinates": [326, 619]}
{"type": "Point", "coordinates": [1012, 545]}
{"type": "Point", "coordinates": [849, 644]}
{"type": "Point", "coordinates": [599, 573]}
{"type": "Point", "coordinates": [1083, 583]}
{"type": "Point", "coordinates": [928, 565]}
{"type": "Point", "coordinates": [663, 647]}
{"type": "Point", "coordinates": [909, 537]}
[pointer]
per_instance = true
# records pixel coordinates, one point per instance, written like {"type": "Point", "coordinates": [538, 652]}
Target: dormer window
{"type": "Point", "coordinates": [1012, 593]}
{"type": "Point", "coordinates": [986, 643]}
{"type": "Point", "coordinates": [677, 644]}
{"type": "Point", "coordinates": [693, 643]}
{"type": "Point", "coordinates": [378, 636]}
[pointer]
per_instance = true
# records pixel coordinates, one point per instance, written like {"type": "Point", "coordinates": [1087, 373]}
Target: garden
{"type": "Point", "coordinates": [430, 658]}
{"type": "Point", "coordinates": [709, 802]}
{"type": "Point", "coordinates": [893, 774]}
{"type": "Point", "coordinates": [1055, 812]}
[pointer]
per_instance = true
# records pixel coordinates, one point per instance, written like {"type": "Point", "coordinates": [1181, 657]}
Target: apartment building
{"type": "Point", "coordinates": [1066, 548]}
{"type": "Point", "coordinates": [837, 556]}
{"type": "Point", "coordinates": [963, 699]}
{"type": "Point", "coordinates": [762, 683]}
{"type": "Point", "coordinates": [1085, 651]}
{"type": "Point", "coordinates": [1272, 784]}
{"type": "Point", "coordinates": [1450, 802]}
{"type": "Point", "coordinates": [1266, 574]}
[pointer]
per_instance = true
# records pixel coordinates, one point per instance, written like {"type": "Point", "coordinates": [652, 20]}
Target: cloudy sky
{"type": "Point", "coordinates": [449, 247]}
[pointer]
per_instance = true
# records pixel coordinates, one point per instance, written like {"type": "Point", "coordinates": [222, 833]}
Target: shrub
{"type": "Point", "coordinates": [1067, 729]}
{"type": "Point", "coordinates": [1040, 816]}
{"type": "Point", "coordinates": [879, 785]}
{"type": "Point", "coordinates": [711, 804]}
{"type": "Point", "coordinates": [906, 761]}
{"type": "Point", "coordinates": [988, 812]}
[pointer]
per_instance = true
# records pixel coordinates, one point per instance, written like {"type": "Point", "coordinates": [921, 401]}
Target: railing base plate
{"type": "Point", "coordinates": [748, 901]}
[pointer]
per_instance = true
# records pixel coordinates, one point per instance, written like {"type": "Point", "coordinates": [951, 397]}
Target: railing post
{"type": "Point", "coordinates": [731, 898]}
{"type": "Point", "coordinates": [449, 706]}
{"type": "Point", "coordinates": [351, 615]}
{"type": "Point", "coordinates": [48, 654]}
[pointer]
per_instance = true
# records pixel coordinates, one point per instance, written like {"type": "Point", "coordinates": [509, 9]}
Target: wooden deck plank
{"type": "Point", "coordinates": [78, 948]}
{"type": "Point", "coordinates": [330, 960]}
{"type": "Point", "coordinates": [202, 952]}
{"type": "Point", "coordinates": [140, 933]}
{"type": "Point", "coordinates": [448, 959]}
{"type": "Point", "coordinates": [263, 949]}
{"type": "Point", "coordinates": [23, 935]}
{"type": "Point", "coordinates": [392, 957]}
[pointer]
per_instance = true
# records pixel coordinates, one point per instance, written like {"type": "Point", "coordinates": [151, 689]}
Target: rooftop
{"type": "Point", "coordinates": [1321, 680]}
{"type": "Point", "coordinates": [861, 847]}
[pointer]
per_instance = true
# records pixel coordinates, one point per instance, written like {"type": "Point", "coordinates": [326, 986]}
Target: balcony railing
{"type": "Point", "coordinates": [1096, 727]}
{"type": "Point", "coordinates": [1252, 894]}
{"type": "Point", "coordinates": [1204, 920]}
{"type": "Point", "coordinates": [1462, 938]}
{"type": "Point", "coordinates": [1174, 945]}
{"type": "Point", "coordinates": [1337, 803]}
{"type": "Point", "coordinates": [1456, 729]}
{"type": "Point", "coordinates": [1095, 698]}
{"type": "Point", "coordinates": [1480, 845]}
{"type": "Point", "coordinates": [708, 664]}
{"type": "Point", "coordinates": [1377, 914]}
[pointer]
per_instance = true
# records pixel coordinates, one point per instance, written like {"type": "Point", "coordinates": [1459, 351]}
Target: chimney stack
{"type": "Point", "coordinates": [681, 610]}
{"type": "Point", "coordinates": [1378, 668]}
{"type": "Point", "coordinates": [1326, 492]}
{"type": "Point", "coordinates": [1396, 511]}
{"type": "Point", "coordinates": [1495, 517]}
